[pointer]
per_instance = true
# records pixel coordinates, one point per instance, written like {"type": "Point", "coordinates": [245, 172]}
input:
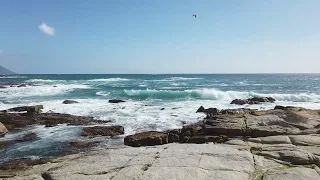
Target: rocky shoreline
{"type": "Point", "coordinates": [281, 143]}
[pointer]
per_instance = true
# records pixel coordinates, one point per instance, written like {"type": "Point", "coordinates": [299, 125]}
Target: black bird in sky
{"type": "Point", "coordinates": [195, 16]}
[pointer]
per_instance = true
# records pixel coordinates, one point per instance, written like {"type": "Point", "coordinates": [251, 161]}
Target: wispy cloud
{"type": "Point", "coordinates": [47, 30]}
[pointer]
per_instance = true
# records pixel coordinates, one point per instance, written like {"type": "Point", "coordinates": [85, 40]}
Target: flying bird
{"type": "Point", "coordinates": [195, 16]}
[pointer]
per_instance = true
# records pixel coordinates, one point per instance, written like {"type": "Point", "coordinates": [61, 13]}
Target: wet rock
{"type": "Point", "coordinates": [254, 100]}
{"type": "Point", "coordinates": [239, 102]}
{"type": "Point", "coordinates": [22, 85]}
{"type": "Point", "coordinates": [3, 130]}
{"type": "Point", "coordinates": [201, 109]}
{"type": "Point", "coordinates": [211, 112]}
{"type": "Point", "coordinates": [20, 120]}
{"type": "Point", "coordinates": [174, 135]}
{"type": "Point", "coordinates": [2, 87]}
{"type": "Point", "coordinates": [116, 101]}
{"type": "Point", "coordinates": [27, 137]}
{"type": "Point", "coordinates": [30, 109]}
{"type": "Point", "coordinates": [103, 131]}
{"type": "Point", "coordinates": [162, 109]}
{"type": "Point", "coordinates": [150, 138]}
{"type": "Point", "coordinates": [69, 102]}
{"type": "Point", "coordinates": [82, 144]}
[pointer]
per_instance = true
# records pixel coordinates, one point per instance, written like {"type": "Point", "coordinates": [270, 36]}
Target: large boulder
{"type": "Point", "coordinates": [150, 138]}
{"type": "Point", "coordinates": [69, 102]}
{"type": "Point", "coordinates": [103, 131]}
{"type": "Point", "coordinates": [116, 101]}
{"type": "Point", "coordinates": [3, 130]}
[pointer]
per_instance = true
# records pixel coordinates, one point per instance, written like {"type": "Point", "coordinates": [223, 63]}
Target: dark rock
{"type": "Point", "coordinates": [20, 120]}
{"type": "Point", "coordinates": [191, 130]}
{"type": "Point", "coordinates": [103, 131]}
{"type": "Point", "coordinates": [254, 100]}
{"type": "Point", "coordinates": [150, 138]}
{"type": "Point", "coordinates": [239, 102]}
{"type": "Point", "coordinates": [69, 102]}
{"type": "Point", "coordinates": [201, 109]}
{"type": "Point", "coordinates": [211, 112]}
{"type": "Point", "coordinates": [162, 109]}
{"type": "Point", "coordinates": [2, 87]}
{"type": "Point", "coordinates": [205, 139]}
{"type": "Point", "coordinates": [3, 130]}
{"type": "Point", "coordinates": [22, 85]}
{"type": "Point", "coordinates": [174, 135]}
{"type": "Point", "coordinates": [82, 144]}
{"type": "Point", "coordinates": [116, 101]}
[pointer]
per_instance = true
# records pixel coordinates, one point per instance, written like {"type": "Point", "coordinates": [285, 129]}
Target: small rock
{"type": "Point", "coordinates": [22, 85]}
{"type": "Point", "coordinates": [3, 130]}
{"type": "Point", "coordinates": [116, 101]}
{"type": "Point", "coordinates": [150, 138]}
{"type": "Point", "coordinates": [69, 102]}
{"type": "Point", "coordinates": [2, 87]}
{"type": "Point", "coordinates": [162, 109]}
{"type": "Point", "coordinates": [103, 131]}
{"type": "Point", "coordinates": [201, 109]}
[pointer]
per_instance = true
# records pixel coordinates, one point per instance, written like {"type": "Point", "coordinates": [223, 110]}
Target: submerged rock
{"type": "Point", "coordinates": [69, 102]}
{"type": "Point", "coordinates": [27, 137]}
{"type": "Point", "coordinates": [116, 101]}
{"type": "Point", "coordinates": [103, 131]}
{"type": "Point", "coordinates": [3, 130]}
{"type": "Point", "coordinates": [150, 138]}
{"type": "Point", "coordinates": [82, 144]}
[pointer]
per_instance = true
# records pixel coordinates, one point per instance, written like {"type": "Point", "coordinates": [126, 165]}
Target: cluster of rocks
{"type": "Point", "coordinates": [239, 123]}
{"type": "Point", "coordinates": [12, 84]}
{"type": "Point", "coordinates": [17, 118]}
{"type": "Point", "coordinates": [254, 100]}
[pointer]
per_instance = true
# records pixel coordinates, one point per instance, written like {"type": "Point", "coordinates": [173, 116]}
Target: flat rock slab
{"type": "Point", "coordinates": [298, 173]}
{"type": "Point", "coordinates": [166, 162]}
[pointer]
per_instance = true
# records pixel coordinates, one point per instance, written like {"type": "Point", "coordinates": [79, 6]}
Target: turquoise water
{"type": "Point", "coordinates": [146, 96]}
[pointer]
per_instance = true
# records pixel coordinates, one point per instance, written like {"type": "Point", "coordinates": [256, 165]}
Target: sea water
{"type": "Point", "coordinates": [153, 102]}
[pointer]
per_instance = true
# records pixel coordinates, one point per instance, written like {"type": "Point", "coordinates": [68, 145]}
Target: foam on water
{"type": "Point", "coordinates": [44, 81]}
{"type": "Point", "coordinates": [109, 80]}
{"type": "Point", "coordinates": [43, 90]}
{"type": "Point", "coordinates": [102, 93]}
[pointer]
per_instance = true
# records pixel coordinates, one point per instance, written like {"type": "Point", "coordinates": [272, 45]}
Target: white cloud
{"type": "Point", "coordinates": [47, 30]}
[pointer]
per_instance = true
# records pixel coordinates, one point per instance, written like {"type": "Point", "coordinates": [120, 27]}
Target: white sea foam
{"type": "Point", "coordinates": [43, 90]}
{"type": "Point", "coordinates": [175, 79]}
{"type": "Point", "coordinates": [102, 93]}
{"type": "Point", "coordinates": [44, 80]}
{"type": "Point", "coordinates": [109, 80]}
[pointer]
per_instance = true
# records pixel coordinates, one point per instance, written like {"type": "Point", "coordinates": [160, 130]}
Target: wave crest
{"type": "Point", "coordinates": [214, 94]}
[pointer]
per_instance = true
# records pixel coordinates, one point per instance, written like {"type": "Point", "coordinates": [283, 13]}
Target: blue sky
{"type": "Point", "coordinates": [144, 36]}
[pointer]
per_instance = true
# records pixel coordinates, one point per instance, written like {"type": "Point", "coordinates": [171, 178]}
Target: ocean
{"type": "Point", "coordinates": [153, 102]}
